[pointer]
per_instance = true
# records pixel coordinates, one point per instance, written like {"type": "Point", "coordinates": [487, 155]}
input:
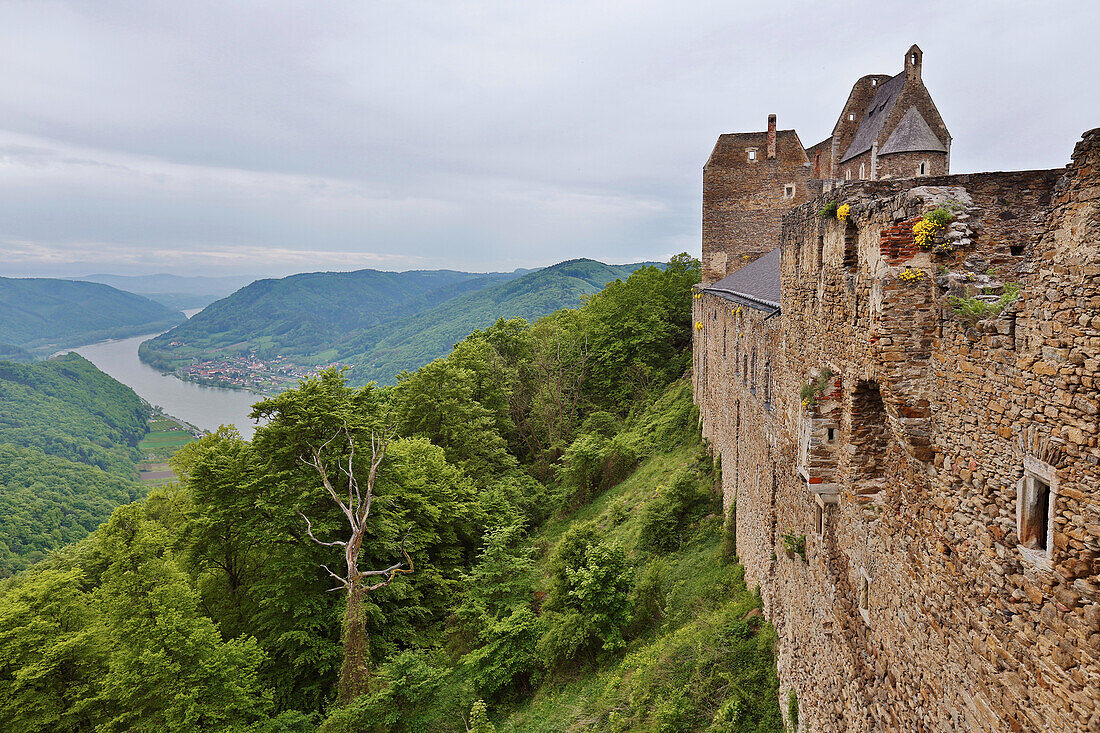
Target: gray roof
{"type": "Point", "coordinates": [911, 135]}
{"type": "Point", "coordinates": [875, 116]}
{"type": "Point", "coordinates": [755, 285]}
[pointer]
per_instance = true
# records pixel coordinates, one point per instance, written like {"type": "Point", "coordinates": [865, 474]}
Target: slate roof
{"type": "Point", "coordinates": [755, 285]}
{"type": "Point", "coordinates": [879, 110]}
{"type": "Point", "coordinates": [912, 135]}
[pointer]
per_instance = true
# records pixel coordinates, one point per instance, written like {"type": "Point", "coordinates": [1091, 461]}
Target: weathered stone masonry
{"type": "Point", "coordinates": [946, 474]}
{"type": "Point", "coordinates": [935, 453]}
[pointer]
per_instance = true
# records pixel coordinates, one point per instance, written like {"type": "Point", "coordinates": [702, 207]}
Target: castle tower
{"type": "Point", "coordinates": [750, 179]}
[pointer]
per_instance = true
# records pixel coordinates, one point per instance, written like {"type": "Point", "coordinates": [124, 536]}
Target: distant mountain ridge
{"type": "Point", "coordinates": [45, 314]}
{"type": "Point", "coordinates": [174, 291]}
{"type": "Point", "coordinates": [378, 322]}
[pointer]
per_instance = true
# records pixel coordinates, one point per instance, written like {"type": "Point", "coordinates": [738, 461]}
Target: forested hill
{"type": "Point", "coordinates": [302, 316]}
{"type": "Point", "coordinates": [547, 495]}
{"type": "Point", "coordinates": [379, 322]}
{"type": "Point", "coordinates": [381, 353]}
{"type": "Point", "coordinates": [44, 314]}
{"type": "Point", "coordinates": [67, 450]}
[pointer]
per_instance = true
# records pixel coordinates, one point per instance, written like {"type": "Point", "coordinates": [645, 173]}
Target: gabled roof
{"type": "Point", "coordinates": [874, 117]}
{"type": "Point", "coordinates": [755, 285]}
{"type": "Point", "coordinates": [729, 151]}
{"type": "Point", "coordinates": [912, 135]}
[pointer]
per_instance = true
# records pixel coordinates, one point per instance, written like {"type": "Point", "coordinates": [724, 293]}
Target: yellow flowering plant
{"type": "Point", "coordinates": [843, 211]}
{"type": "Point", "coordinates": [912, 275]}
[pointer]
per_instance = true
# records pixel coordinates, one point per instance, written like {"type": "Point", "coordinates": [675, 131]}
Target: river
{"type": "Point", "coordinates": [203, 407]}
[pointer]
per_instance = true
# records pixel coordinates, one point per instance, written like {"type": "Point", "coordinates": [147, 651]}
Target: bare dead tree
{"type": "Point", "coordinates": [356, 506]}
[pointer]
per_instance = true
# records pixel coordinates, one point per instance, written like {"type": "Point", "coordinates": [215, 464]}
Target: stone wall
{"type": "Point", "coordinates": [916, 607]}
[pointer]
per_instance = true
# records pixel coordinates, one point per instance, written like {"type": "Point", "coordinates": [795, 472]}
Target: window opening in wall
{"type": "Point", "coordinates": [725, 328]}
{"type": "Point", "coordinates": [869, 432]}
{"type": "Point", "coordinates": [788, 191]}
{"type": "Point", "coordinates": [767, 384]}
{"type": "Point", "coordinates": [851, 246]}
{"type": "Point", "coordinates": [851, 116]}
{"type": "Point", "coordinates": [874, 82]}
{"type": "Point", "coordinates": [1036, 496]}
{"type": "Point", "coordinates": [752, 155]}
{"type": "Point", "coordinates": [848, 175]}
{"type": "Point", "coordinates": [745, 371]}
{"type": "Point", "coordinates": [752, 367]}
{"type": "Point", "coordinates": [923, 168]}
{"type": "Point", "coordinates": [1015, 249]}
{"type": "Point", "coordinates": [819, 519]}
{"type": "Point", "coordinates": [820, 249]}
{"type": "Point", "coordinates": [861, 170]}
{"type": "Point", "coordinates": [865, 595]}
{"type": "Point", "coordinates": [831, 435]}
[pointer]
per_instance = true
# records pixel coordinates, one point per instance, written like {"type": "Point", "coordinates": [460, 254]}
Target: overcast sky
{"type": "Point", "coordinates": [267, 137]}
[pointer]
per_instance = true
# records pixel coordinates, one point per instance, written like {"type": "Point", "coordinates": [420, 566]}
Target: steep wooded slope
{"type": "Point", "coordinates": [46, 314]}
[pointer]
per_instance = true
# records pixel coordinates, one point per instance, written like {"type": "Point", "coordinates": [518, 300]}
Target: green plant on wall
{"type": "Point", "coordinates": [829, 210]}
{"type": "Point", "coordinates": [794, 543]}
{"type": "Point", "coordinates": [811, 391]}
{"type": "Point", "coordinates": [970, 310]}
{"type": "Point", "coordinates": [792, 710]}
{"type": "Point", "coordinates": [930, 225]}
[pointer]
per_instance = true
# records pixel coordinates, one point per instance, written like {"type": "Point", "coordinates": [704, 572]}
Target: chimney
{"type": "Point", "coordinates": [771, 136]}
{"type": "Point", "coordinates": [913, 58]}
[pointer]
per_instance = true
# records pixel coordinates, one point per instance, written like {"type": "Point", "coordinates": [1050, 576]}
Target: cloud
{"type": "Point", "coordinates": [481, 135]}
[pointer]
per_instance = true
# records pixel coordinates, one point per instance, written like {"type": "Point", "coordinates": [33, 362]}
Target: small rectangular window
{"type": "Point", "coordinates": [819, 519]}
{"type": "Point", "coordinates": [788, 191]}
{"type": "Point", "coordinates": [752, 155]}
{"type": "Point", "coordinates": [1036, 496]}
{"type": "Point", "coordinates": [865, 595]}
{"type": "Point", "coordinates": [851, 117]}
{"type": "Point", "coordinates": [832, 435]}
{"type": "Point", "coordinates": [1035, 513]}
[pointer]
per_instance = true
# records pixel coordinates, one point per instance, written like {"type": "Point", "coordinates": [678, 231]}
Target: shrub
{"type": "Point", "coordinates": [792, 710]}
{"type": "Point", "coordinates": [794, 543]}
{"type": "Point", "coordinates": [667, 517]}
{"type": "Point", "coordinates": [829, 210]}
{"type": "Point", "coordinates": [649, 598]}
{"type": "Point", "coordinates": [811, 391]}
{"type": "Point", "coordinates": [970, 310]}
{"type": "Point", "coordinates": [595, 462]}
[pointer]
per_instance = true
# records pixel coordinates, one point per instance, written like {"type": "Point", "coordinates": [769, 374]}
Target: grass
{"type": "Point", "coordinates": [707, 665]}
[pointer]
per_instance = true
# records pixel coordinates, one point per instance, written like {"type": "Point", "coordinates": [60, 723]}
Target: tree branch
{"type": "Point", "coordinates": [309, 531]}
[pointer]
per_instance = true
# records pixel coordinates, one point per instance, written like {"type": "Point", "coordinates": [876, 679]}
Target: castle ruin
{"type": "Point", "coordinates": [908, 424]}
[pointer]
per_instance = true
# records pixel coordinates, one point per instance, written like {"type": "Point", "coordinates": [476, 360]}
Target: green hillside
{"type": "Point", "coordinates": [382, 353]}
{"type": "Point", "coordinates": [380, 323]}
{"type": "Point", "coordinates": [68, 437]}
{"type": "Point", "coordinates": [302, 315]}
{"type": "Point", "coordinates": [547, 496]}
{"type": "Point", "coordinates": [44, 315]}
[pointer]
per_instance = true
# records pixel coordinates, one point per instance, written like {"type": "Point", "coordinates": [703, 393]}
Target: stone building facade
{"type": "Point", "coordinates": [941, 470]}
{"type": "Point", "coordinates": [889, 128]}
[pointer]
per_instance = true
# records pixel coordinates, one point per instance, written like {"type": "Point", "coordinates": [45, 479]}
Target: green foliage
{"type": "Point", "coordinates": [970, 310]}
{"type": "Point", "coordinates": [669, 516]}
{"type": "Point", "coordinates": [794, 543]}
{"type": "Point", "coordinates": [829, 210]}
{"type": "Point", "coordinates": [792, 710]}
{"type": "Point", "coordinates": [729, 534]}
{"type": "Point", "coordinates": [47, 314]}
{"type": "Point", "coordinates": [940, 216]}
{"type": "Point", "coordinates": [48, 502]}
{"type": "Point", "coordinates": [479, 719]}
{"type": "Point", "coordinates": [594, 462]}
{"type": "Point", "coordinates": [811, 391]}
{"type": "Point", "coordinates": [67, 408]}
{"type": "Point", "coordinates": [206, 607]}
